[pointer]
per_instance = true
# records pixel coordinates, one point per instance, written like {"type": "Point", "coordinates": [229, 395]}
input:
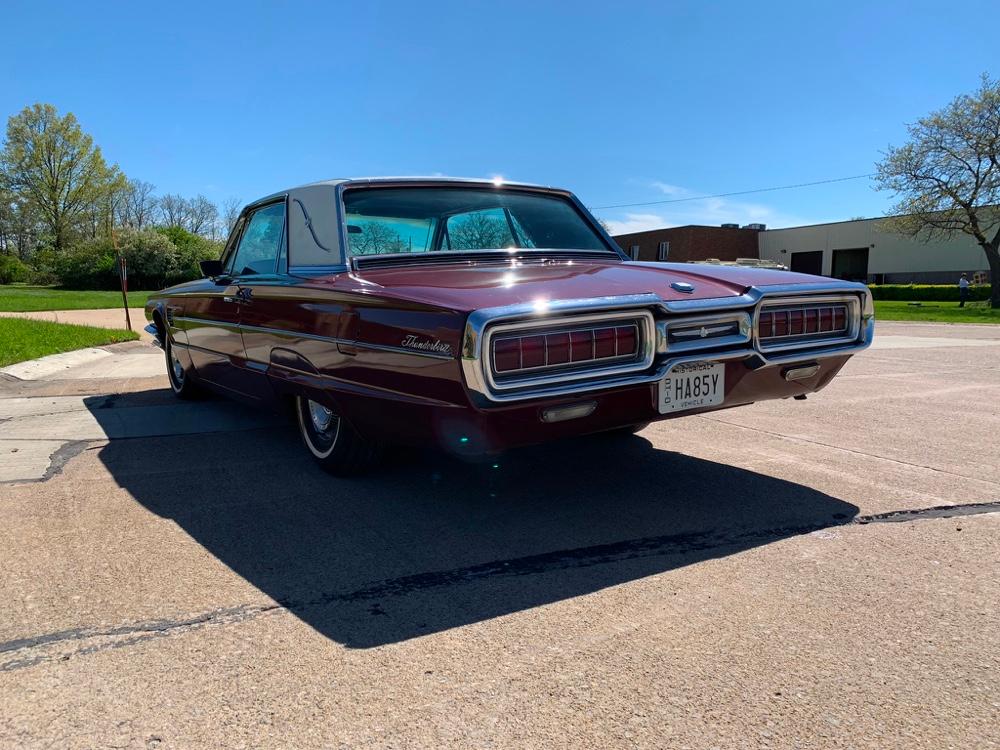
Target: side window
{"type": "Point", "coordinates": [261, 242]}
{"type": "Point", "coordinates": [479, 230]}
{"type": "Point", "coordinates": [229, 253]}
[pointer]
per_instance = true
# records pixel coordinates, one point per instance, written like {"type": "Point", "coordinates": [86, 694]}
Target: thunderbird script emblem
{"type": "Point", "coordinates": [437, 346]}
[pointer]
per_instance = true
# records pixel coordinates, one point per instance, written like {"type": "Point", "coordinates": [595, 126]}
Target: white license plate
{"type": "Point", "coordinates": [692, 386]}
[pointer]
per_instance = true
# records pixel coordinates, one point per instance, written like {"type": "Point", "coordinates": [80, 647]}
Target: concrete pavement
{"type": "Point", "coordinates": [791, 574]}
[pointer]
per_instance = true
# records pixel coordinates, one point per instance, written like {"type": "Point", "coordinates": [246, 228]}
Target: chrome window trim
{"type": "Point", "coordinates": [614, 252]}
{"type": "Point", "coordinates": [476, 334]}
{"type": "Point", "coordinates": [646, 349]}
{"type": "Point", "coordinates": [799, 341]}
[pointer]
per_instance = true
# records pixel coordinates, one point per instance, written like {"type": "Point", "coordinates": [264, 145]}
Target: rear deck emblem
{"type": "Point", "coordinates": [411, 341]}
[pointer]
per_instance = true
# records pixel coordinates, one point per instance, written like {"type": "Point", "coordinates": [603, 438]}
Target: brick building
{"type": "Point", "coordinates": [692, 243]}
{"type": "Point", "coordinates": [859, 249]}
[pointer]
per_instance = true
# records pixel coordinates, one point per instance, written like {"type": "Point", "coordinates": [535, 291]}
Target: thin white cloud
{"type": "Point", "coordinates": [635, 223]}
{"type": "Point", "coordinates": [709, 211]}
{"type": "Point", "coordinates": [667, 189]}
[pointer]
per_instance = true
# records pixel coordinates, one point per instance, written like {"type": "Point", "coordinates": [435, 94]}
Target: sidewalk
{"type": "Point", "coordinates": [110, 318]}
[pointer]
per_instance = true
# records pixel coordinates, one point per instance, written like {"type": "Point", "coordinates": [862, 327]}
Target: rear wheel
{"type": "Point", "coordinates": [335, 445]}
{"type": "Point", "coordinates": [180, 382]}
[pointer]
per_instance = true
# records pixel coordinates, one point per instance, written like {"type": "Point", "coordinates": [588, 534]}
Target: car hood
{"type": "Point", "coordinates": [471, 286]}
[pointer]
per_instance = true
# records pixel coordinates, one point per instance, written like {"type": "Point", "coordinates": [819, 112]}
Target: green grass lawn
{"type": "Point", "coordinates": [22, 339]}
{"type": "Point", "coordinates": [936, 312]}
{"type": "Point", "coordinates": [23, 298]}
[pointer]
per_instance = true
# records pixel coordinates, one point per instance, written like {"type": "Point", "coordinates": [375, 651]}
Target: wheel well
{"type": "Point", "coordinates": [161, 331]}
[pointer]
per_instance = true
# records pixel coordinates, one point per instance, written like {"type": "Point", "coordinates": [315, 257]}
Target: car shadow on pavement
{"type": "Point", "coordinates": [428, 543]}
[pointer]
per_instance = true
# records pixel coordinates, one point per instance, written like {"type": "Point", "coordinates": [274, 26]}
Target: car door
{"type": "Point", "coordinates": [214, 331]}
{"type": "Point", "coordinates": [210, 320]}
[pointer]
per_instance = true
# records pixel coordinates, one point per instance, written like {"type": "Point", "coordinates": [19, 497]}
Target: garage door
{"type": "Point", "coordinates": [811, 262]}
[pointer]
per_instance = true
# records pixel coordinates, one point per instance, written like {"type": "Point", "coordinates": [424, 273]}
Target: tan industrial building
{"type": "Point", "coordinates": [864, 250]}
{"type": "Point", "coordinates": [861, 250]}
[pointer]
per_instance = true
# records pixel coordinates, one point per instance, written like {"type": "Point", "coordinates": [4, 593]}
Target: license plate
{"type": "Point", "coordinates": [692, 386]}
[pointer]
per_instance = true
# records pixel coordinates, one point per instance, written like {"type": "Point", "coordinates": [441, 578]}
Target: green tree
{"type": "Point", "coordinates": [947, 176]}
{"type": "Point", "coordinates": [50, 162]}
{"type": "Point", "coordinates": [479, 230]}
{"type": "Point", "coordinates": [19, 226]}
{"type": "Point", "coordinates": [190, 250]}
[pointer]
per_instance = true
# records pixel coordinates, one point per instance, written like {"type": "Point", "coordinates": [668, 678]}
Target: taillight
{"type": "Point", "coordinates": [512, 353]}
{"type": "Point", "coordinates": [802, 321]}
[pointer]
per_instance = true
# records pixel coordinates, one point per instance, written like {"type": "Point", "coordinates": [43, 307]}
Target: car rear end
{"type": "Point", "coordinates": [570, 367]}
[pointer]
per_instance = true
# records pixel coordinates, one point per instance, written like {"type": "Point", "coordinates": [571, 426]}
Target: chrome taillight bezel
{"type": "Point", "coordinates": [571, 372]}
{"type": "Point", "coordinates": [792, 342]}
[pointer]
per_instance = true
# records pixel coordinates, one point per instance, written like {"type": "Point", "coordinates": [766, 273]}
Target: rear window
{"type": "Point", "coordinates": [419, 220]}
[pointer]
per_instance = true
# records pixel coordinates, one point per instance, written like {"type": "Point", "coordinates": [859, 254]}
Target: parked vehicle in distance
{"type": "Point", "coordinates": [483, 316]}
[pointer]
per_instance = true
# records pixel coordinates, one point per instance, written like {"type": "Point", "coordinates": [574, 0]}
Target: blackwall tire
{"type": "Point", "coordinates": [331, 440]}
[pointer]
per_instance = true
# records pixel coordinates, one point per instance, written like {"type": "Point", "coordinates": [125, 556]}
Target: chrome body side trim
{"type": "Point", "coordinates": [284, 333]}
{"type": "Point", "coordinates": [477, 335]}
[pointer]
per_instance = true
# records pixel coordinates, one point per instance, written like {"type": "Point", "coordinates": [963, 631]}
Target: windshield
{"type": "Point", "coordinates": [429, 219]}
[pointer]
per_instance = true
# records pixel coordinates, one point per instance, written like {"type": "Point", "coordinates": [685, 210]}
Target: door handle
{"type": "Point", "coordinates": [243, 296]}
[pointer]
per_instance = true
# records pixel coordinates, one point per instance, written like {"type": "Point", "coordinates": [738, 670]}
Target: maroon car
{"type": "Point", "coordinates": [481, 316]}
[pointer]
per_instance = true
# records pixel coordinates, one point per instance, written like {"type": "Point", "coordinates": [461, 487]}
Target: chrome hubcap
{"type": "Point", "coordinates": [177, 367]}
{"type": "Point", "coordinates": [321, 417]}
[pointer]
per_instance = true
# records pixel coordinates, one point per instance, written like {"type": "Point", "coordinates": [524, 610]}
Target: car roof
{"type": "Point", "coordinates": [407, 179]}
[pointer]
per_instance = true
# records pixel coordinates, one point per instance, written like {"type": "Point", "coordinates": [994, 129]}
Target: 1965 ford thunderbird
{"type": "Point", "coordinates": [482, 316]}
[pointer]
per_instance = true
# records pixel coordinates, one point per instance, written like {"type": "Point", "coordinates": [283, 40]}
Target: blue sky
{"type": "Point", "coordinates": [620, 102]}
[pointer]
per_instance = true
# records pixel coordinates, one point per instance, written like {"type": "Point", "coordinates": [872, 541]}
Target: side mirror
{"type": "Point", "coordinates": [211, 268]}
{"type": "Point", "coordinates": [354, 229]}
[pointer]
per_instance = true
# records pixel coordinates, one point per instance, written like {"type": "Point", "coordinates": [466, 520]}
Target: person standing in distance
{"type": "Point", "coordinates": [963, 290]}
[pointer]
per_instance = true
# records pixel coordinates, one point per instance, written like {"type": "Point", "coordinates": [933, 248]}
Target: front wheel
{"type": "Point", "coordinates": [180, 381]}
{"type": "Point", "coordinates": [335, 445]}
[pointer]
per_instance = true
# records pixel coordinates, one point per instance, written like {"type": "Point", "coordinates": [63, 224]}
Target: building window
{"type": "Point", "coordinates": [633, 252]}
{"type": "Point", "coordinates": [663, 251]}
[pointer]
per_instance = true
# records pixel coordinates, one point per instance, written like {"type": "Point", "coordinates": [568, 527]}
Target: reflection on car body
{"type": "Point", "coordinates": [482, 316]}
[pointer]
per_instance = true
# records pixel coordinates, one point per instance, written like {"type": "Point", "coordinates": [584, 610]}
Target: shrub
{"type": "Point", "coordinates": [12, 270]}
{"type": "Point", "coordinates": [89, 265]}
{"type": "Point", "coordinates": [151, 259]}
{"type": "Point", "coordinates": [191, 249]}
{"type": "Point", "coordinates": [926, 292]}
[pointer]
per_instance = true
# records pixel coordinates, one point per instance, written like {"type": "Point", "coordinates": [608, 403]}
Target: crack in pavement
{"type": "Point", "coordinates": [810, 441]}
{"type": "Point", "coordinates": [57, 460]}
{"type": "Point", "coordinates": [546, 562]}
{"type": "Point", "coordinates": [136, 632]}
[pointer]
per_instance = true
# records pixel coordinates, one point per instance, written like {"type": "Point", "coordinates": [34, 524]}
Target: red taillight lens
{"type": "Point", "coordinates": [780, 324]}
{"type": "Point", "coordinates": [803, 321]}
{"type": "Point", "coordinates": [825, 319]}
{"type": "Point", "coordinates": [562, 348]}
{"type": "Point", "coordinates": [558, 344]}
{"type": "Point", "coordinates": [604, 343]}
{"type": "Point", "coordinates": [532, 351]}
{"type": "Point", "coordinates": [582, 345]}
{"type": "Point", "coordinates": [810, 322]}
{"type": "Point", "coordinates": [507, 355]}
{"type": "Point", "coordinates": [795, 322]}
{"type": "Point", "coordinates": [839, 318]}
{"type": "Point", "coordinates": [627, 343]}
